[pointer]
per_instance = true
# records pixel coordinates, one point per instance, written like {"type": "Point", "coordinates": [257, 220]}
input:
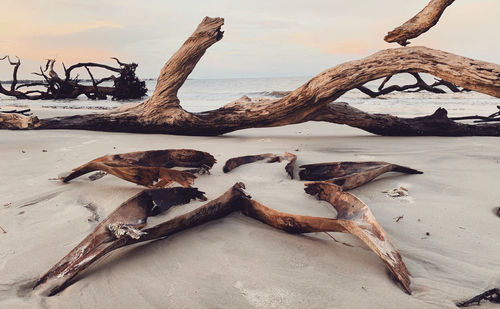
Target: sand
{"type": "Point", "coordinates": [448, 234]}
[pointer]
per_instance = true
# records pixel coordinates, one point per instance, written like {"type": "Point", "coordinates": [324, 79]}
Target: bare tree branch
{"type": "Point", "coordinates": [419, 24]}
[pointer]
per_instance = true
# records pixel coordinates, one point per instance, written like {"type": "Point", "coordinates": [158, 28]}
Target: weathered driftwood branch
{"type": "Point", "coordinates": [126, 85]}
{"type": "Point", "coordinates": [419, 85]}
{"type": "Point", "coordinates": [419, 24]}
{"type": "Point", "coordinates": [437, 124]}
{"type": "Point", "coordinates": [162, 112]}
{"type": "Point", "coordinates": [492, 295]}
{"type": "Point", "coordinates": [149, 168]}
{"type": "Point", "coordinates": [350, 175]}
{"type": "Point", "coordinates": [233, 163]}
{"type": "Point", "coordinates": [493, 117]}
{"type": "Point", "coordinates": [131, 216]}
{"type": "Point", "coordinates": [126, 226]}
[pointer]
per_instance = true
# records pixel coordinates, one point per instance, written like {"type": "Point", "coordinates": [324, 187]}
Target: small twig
{"type": "Point", "coordinates": [4, 231]}
{"type": "Point", "coordinates": [492, 295]}
{"type": "Point", "coordinates": [340, 242]}
{"type": "Point", "coordinates": [15, 111]}
{"type": "Point", "coordinates": [399, 218]}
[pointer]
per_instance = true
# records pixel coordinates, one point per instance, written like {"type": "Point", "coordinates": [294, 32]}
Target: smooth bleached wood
{"type": "Point", "coordinates": [419, 23]}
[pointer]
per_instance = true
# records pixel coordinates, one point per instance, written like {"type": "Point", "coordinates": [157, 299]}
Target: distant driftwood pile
{"type": "Point", "coordinates": [313, 101]}
{"type": "Point", "coordinates": [125, 86]}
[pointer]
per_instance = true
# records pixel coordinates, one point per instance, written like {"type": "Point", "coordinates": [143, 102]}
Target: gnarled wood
{"type": "Point", "coordinates": [149, 168]}
{"type": "Point", "coordinates": [162, 113]}
{"type": "Point", "coordinates": [354, 217]}
{"type": "Point", "coordinates": [350, 175]}
{"type": "Point", "coordinates": [126, 226]}
{"type": "Point", "coordinates": [133, 213]}
{"type": "Point", "coordinates": [237, 161]}
{"type": "Point", "coordinates": [437, 124]}
{"type": "Point", "coordinates": [419, 24]}
{"type": "Point", "coordinates": [126, 85]}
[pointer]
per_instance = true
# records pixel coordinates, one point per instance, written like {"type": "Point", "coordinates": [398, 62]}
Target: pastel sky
{"type": "Point", "coordinates": [262, 38]}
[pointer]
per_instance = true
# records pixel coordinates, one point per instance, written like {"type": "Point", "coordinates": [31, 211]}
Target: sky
{"type": "Point", "coordinates": [263, 38]}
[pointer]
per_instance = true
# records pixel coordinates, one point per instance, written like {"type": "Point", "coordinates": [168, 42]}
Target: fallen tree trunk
{"type": "Point", "coordinates": [437, 124]}
{"type": "Point", "coordinates": [162, 113]}
{"type": "Point", "coordinates": [419, 24]}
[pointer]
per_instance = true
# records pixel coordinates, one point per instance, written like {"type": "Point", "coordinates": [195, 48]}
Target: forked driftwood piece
{"type": "Point", "coordinates": [350, 175]}
{"type": "Point", "coordinates": [419, 24]}
{"type": "Point", "coordinates": [149, 168]}
{"type": "Point", "coordinates": [233, 163]}
{"type": "Point", "coordinates": [125, 226]}
{"type": "Point", "coordinates": [354, 217]}
{"type": "Point", "coordinates": [163, 113]}
{"type": "Point", "coordinates": [492, 295]}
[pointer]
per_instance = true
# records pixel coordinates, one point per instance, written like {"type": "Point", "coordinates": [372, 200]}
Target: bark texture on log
{"type": "Point", "coordinates": [419, 24]}
{"type": "Point", "coordinates": [437, 124]}
{"type": "Point", "coordinates": [162, 112]}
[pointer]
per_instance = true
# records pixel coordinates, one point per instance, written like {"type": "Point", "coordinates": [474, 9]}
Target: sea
{"type": "Point", "coordinates": [198, 95]}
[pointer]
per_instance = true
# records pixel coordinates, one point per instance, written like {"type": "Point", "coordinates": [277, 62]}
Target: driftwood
{"type": "Point", "coordinates": [149, 168]}
{"type": "Point", "coordinates": [437, 124]}
{"type": "Point", "coordinates": [126, 226]}
{"type": "Point", "coordinates": [354, 217]}
{"type": "Point", "coordinates": [162, 113]}
{"type": "Point", "coordinates": [492, 295]}
{"type": "Point", "coordinates": [127, 220]}
{"type": "Point", "coordinates": [493, 117]}
{"type": "Point", "coordinates": [235, 162]}
{"type": "Point", "coordinates": [419, 85]}
{"type": "Point", "coordinates": [125, 86]}
{"type": "Point", "coordinates": [419, 24]}
{"type": "Point", "coordinates": [350, 175]}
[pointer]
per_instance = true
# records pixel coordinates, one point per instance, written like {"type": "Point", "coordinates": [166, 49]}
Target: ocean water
{"type": "Point", "coordinates": [198, 95]}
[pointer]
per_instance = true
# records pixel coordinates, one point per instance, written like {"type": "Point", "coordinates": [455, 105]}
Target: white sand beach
{"type": "Point", "coordinates": [447, 236]}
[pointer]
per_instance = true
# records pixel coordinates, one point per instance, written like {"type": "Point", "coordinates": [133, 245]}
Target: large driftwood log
{"type": "Point", "coordinates": [437, 124]}
{"type": "Point", "coordinates": [162, 112]}
{"type": "Point", "coordinates": [419, 24]}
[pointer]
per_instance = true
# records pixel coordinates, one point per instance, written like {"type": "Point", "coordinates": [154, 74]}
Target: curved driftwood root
{"type": "Point", "coordinates": [149, 168]}
{"type": "Point", "coordinates": [419, 24]}
{"type": "Point", "coordinates": [238, 161]}
{"type": "Point", "coordinates": [350, 175]}
{"type": "Point", "coordinates": [354, 217]}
